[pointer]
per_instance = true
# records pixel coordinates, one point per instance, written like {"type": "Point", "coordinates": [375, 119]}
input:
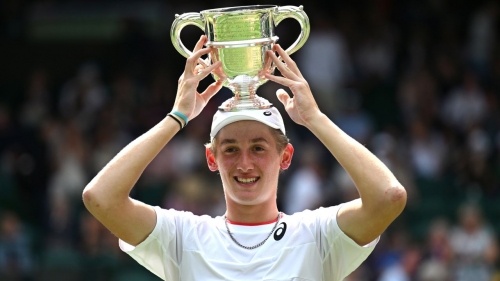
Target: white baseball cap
{"type": "Point", "coordinates": [269, 116]}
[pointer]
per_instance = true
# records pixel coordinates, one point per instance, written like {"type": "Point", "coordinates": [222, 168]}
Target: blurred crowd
{"type": "Point", "coordinates": [417, 82]}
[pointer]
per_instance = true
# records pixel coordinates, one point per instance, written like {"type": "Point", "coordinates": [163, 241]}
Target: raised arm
{"type": "Point", "coordinates": [382, 198]}
{"type": "Point", "coordinates": [107, 195]}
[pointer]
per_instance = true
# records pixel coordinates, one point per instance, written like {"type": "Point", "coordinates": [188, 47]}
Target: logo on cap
{"type": "Point", "coordinates": [267, 113]}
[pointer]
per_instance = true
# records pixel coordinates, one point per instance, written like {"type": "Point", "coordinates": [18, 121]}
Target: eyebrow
{"type": "Point", "coordinates": [233, 141]}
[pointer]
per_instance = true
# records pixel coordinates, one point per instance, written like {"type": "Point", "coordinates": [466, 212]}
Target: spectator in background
{"type": "Point", "coordinates": [60, 225]}
{"type": "Point", "coordinates": [431, 271]}
{"type": "Point", "coordinates": [482, 35]}
{"type": "Point", "coordinates": [497, 160]}
{"type": "Point", "coordinates": [474, 246]}
{"type": "Point", "coordinates": [375, 57]}
{"type": "Point", "coordinates": [69, 177]}
{"type": "Point", "coordinates": [446, 71]}
{"type": "Point", "coordinates": [437, 256]}
{"type": "Point", "coordinates": [16, 260]}
{"type": "Point", "coordinates": [305, 187]}
{"type": "Point", "coordinates": [189, 193]}
{"type": "Point", "coordinates": [406, 268]}
{"type": "Point", "coordinates": [350, 116]}
{"type": "Point", "coordinates": [417, 97]}
{"type": "Point", "coordinates": [187, 149]}
{"type": "Point", "coordinates": [438, 242]}
{"type": "Point", "coordinates": [107, 141]}
{"type": "Point", "coordinates": [36, 103]}
{"type": "Point", "coordinates": [427, 150]}
{"type": "Point", "coordinates": [69, 174]}
{"type": "Point", "coordinates": [83, 96]}
{"type": "Point", "coordinates": [479, 172]}
{"type": "Point", "coordinates": [466, 105]}
{"type": "Point", "coordinates": [325, 62]}
{"type": "Point", "coordinates": [8, 187]}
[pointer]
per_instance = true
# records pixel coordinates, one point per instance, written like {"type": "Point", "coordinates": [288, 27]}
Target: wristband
{"type": "Point", "coordinates": [176, 120]}
{"type": "Point", "coordinates": [184, 117]}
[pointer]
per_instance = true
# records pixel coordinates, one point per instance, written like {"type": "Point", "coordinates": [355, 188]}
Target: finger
{"type": "Point", "coordinates": [267, 66]}
{"type": "Point", "coordinates": [197, 55]}
{"type": "Point", "coordinates": [204, 62]}
{"type": "Point", "coordinates": [200, 43]}
{"type": "Point", "coordinates": [199, 46]}
{"type": "Point", "coordinates": [282, 67]}
{"type": "Point", "coordinates": [211, 90]}
{"type": "Point", "coordinates": [198, 69]}
{"type": "Point", "coordinates": [289, 62]}
{"type": "Point", "coordinates": [283, 96]}
{"type": "Point", "coordinates": [280, 80]}
{"type": "Point", "coordinates": [193, 60]}
{"type": "Point", "coordinates": [204, 73]}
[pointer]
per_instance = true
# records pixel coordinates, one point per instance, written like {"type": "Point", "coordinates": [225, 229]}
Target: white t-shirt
{"type": "Point", "coordinates": [308, 245]}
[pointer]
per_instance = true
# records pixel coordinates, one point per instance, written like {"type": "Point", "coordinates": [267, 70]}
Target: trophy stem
{"type": "Point", "coordinates": [244, 87]}
{"type": "Point", "coordinates": [245, 101]}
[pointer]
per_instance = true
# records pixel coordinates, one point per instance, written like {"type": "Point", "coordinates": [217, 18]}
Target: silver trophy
{"type": "Point", "coordinates": [240, 37]}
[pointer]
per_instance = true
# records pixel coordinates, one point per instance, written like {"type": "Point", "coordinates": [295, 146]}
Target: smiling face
{"type": "Point", "coordinates": [249, 162]}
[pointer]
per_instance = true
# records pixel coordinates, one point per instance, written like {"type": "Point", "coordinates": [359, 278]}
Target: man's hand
{"type": "Point", "coordinates": [302, 107]}
{"type": "Point", "coordinates": [188, 101]}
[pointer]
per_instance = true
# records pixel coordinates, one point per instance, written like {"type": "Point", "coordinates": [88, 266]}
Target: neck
{"type": "Point", "coordinates": [252, 214]}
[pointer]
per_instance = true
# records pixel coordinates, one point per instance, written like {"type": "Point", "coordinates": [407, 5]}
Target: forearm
{"type": "Point", "coordinates": [115, 181]}
{"type": "Point", "coordinates": [382, 197]}
{"type": "Point", "coordinates": [375, 182]}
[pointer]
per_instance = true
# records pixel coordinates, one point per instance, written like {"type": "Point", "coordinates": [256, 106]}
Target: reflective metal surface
{"type": "Point", "coordinates": [240, 37]}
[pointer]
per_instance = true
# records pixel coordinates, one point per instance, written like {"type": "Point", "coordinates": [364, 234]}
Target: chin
{"type": "Point", "coordinates": [249, 199]}
{"type": "Point", "coordinates": [242, 199]}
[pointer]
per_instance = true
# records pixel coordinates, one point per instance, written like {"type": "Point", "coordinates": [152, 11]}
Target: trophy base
{"type": "Point", "coordinates": [255, 102]}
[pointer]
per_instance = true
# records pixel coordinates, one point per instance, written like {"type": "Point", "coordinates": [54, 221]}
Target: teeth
{"type": "Point", "coordinates": [246, 180]}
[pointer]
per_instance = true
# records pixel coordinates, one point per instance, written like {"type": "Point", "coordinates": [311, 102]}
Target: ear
{"type": "Point", "coordinates": [212, 165]}
{"type": "Point", "coordinates": [286, 158]}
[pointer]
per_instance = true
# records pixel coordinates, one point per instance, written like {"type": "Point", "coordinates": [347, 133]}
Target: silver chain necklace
{"type": "Point", "coordinates": [254, 246]}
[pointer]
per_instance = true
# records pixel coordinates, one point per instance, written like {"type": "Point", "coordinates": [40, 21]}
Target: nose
{"type": "Point", "coordinates": [245, 162]}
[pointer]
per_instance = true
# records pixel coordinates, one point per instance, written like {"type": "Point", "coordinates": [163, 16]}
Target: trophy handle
{"type": "Point", "coordinates": [179, 23]}
{"type": "Point", "coordinates": [299, 15]}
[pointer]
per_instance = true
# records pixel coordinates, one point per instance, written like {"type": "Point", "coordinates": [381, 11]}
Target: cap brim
{"type": "Point", "coordinates": [275, 122]}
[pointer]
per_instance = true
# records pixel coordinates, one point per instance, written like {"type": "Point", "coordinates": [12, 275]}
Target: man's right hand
{"type": "Point", "coordinates": [188, 101]}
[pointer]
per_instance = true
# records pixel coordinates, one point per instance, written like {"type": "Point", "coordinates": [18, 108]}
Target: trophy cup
{"type": "Point", "coordinates": [240, 37]}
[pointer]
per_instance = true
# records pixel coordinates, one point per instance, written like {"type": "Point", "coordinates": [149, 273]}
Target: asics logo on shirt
{"type": "Point", "coordinates": [280, 231]}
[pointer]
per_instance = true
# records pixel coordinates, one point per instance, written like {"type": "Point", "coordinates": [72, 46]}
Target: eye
{"type": "Point", "coordinates": [258, 148]}
{"type": "Point", "coordinates": [230, 149]}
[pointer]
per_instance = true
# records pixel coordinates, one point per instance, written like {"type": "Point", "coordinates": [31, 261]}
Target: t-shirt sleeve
{"type": "Point", "coordinates": [161, 251]}
{"type": "Point", "coordinates": [341, 255]}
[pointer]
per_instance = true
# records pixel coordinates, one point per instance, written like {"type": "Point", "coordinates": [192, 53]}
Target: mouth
{"type": "Point", "coordinates": [246, 181]}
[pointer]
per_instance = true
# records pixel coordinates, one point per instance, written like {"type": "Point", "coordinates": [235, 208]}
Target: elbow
{"type": "Point", "coordinates": [99, 200]}
{"type": "Point", "coordinates": [395, 199]}
{"type": "Point", "coordinates": [87, 196]}
{"type": "Point", "coordinates": [90, 200]}
{"type": "Point", "coordinates": [388, 201]}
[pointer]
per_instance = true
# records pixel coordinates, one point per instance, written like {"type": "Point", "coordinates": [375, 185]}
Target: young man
{"type": "Point", "coordinates": [253, 241]}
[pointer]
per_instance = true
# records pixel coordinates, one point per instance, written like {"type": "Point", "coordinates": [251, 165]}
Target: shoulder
{"type": "Point", "coordinates": [321, 220]}
{"type": "Point", "coordinates": [320, 214]}
{"type": "Point", "coordinates": [182, 219]}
